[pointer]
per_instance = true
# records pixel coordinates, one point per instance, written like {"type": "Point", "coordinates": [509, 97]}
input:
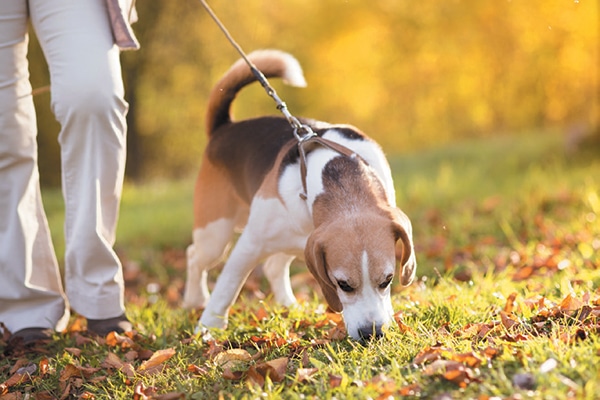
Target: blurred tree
{"type": "Point", "coordinates": [411, 74]}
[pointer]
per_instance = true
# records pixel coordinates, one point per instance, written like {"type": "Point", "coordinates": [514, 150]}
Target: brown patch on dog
{"type": "Point", "coordinates": [214, 196]}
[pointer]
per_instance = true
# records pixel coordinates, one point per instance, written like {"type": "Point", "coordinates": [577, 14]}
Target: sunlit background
{"type": "Point", "coordinates": [412, 74]}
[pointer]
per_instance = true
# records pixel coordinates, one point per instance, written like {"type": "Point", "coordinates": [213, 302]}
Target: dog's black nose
{"type": "Point", "coordinates": [369, 332]}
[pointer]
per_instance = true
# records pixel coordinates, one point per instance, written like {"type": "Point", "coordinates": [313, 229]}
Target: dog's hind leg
{"type": "Point", "coordinates": [277, 271]}
{"type": "Point", "coordinates": [209, 246]}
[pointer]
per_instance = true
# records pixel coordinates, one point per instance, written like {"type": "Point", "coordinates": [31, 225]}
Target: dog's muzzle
{"type": "Point", "coordinates": [368, 332]}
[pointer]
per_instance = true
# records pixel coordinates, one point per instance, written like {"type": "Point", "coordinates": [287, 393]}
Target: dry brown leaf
{"type": "Point", "coordinates": [142, 392]}
{"type": "Point", "coordinates": [157, 358]}
{"type": "Point", "coordinates": [232, 375]}
{"type": "Point", "coordinates": [22, 375]}
{"type": "Point", "coordinates": [470, 359]}
{"type": "Point", "coordinates": [19, 364]}
{"type": "Point", "coordinates": [68, 372]}
{"type": "Point", "coordinates": [429, 354]}
{"type": "Point", "coordinates": [196, 370]}
{"type": "Point", "coordinates": [81, 340]}
{"type": "Point", "coordinates": [335, 380]}
{"type": "Point", "coordinates": [274, 369]}
{"type": "Point", "coordinates": [507, 321]}
{"type": "Point", "coordinates": [112, 361]}
{"type": "Point", "coordinates": [261, 314]}
{"type": "Point", "coordinates": [214, 348]}
{"type": "Point", "coordinates": [510, 303]}
{"type": "Point", "coordinates": [523, 273]}
{"type": "Point", "coordinates": [570, 303]}
{"type": "Point", "coordinates": [11, 396]}
{"type": "Point", "coordinates": [75, 371]}
{"type": "Point", "coordinates": [131, 355]}
{"type": "Point", "coordinates": [452, 371]}
{"type": "Point", "coordinates": [44, 366]}
{"type": "Point", "coordinates": [113, 339]}
{"type": "Point", "coordinates": [233, 358]}
{"type": "Point", "coordinates": [73, 351]}
{"type": "Point", "coordinates": [254, 376]}
{"type": "Point", "coordinates": [410, 390]}
{"type": "Point", "coordinates": [45, 395]}
{"type": "Point", "coordinates": [403, 327]}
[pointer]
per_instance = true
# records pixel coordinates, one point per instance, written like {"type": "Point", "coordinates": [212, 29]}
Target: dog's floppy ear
{"type": "Point", "coordinates": [314, 254]}
{"type": "Point", "coordinates": [405, 251]}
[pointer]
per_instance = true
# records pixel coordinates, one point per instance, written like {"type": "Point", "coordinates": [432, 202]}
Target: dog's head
{"type": "Point", "coordinates": [354, 261]}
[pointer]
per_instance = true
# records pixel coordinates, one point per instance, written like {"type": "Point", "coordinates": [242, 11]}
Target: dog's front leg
{"type": "Point", "coordinates": [244, 257]}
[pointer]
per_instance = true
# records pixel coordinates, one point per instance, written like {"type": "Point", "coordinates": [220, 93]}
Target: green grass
{"type": "Point", "coordinates": [507, 305]}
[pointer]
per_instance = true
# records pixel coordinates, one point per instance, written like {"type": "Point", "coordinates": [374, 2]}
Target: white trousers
{"type": "Point", "coordinates": [87, 100]}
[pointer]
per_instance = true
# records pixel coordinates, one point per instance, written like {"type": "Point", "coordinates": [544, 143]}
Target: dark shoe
{"type": "Point", "coordinates": [103, 327]}
{"type": "Point", "coordinates": [29, 336]}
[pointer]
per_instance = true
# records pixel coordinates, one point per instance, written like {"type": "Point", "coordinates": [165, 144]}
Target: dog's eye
{"type": "Point", "coordinates": [387, 282]}
{"type": "Point", "coordinates": [345, 287]}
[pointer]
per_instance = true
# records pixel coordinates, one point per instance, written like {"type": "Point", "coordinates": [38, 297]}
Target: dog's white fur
{"type": "Point", "coordinates": [348, 229]}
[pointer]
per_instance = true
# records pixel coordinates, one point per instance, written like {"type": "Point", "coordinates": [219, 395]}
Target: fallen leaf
{"type": "Point", "coordinates": [232, 375]}
{"type": "Point", "coordinates": [403, 327]}
{"type": "Point", "coordinates": [157, 358]}
{"type": "Point", "coordinates": [507, 321]}
{"type": "Point", "coordinates": [470, 359]}
{"type": "Point", "coordinates": [254, 376]}
{"type": "Point", "coordinates": [233, 358]}
{"type": "Point", "coordinates": [112, 361]}
{"type": "Point", "coordinates": [570, 303]}
{"type": "Point", "coordinates": [113, 339]}
{"type": "Point", "coordinates": [429, 354]}
{"type": "Point", "coordinates": [73, 351]}
{"type": "Point", "coordinates": [141, 392]}
{"type": "Point", "coordinates": [510, 303]}
{"type": "Point", "coordinates": [452, 371]}
{"type": "Point", "coordinates": [523, 273]}
{"type": "Point", "coordinates": [196, 370]}
{"type": "Point", "coordinates": [44, 366]}
{"type": "Point", "coordinates": [274, 369]}
{"type": "Point", "coordinates": [74, 371]}
{"type": "Point", "coordinates": [335, 380]}
{"type": "Point", "coordinates": [410, 390]}
{"type": "Point", "coordinates": [18, 365]}
{"type": "Point", "coordinates": [22, 375]}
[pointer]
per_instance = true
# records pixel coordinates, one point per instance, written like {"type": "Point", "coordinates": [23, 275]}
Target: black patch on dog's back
{"type": "Point", "coordinates": [247, 149]}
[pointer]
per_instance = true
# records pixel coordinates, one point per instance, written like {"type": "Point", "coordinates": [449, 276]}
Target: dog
{"type": "Point", "coordinates": [346, 227]}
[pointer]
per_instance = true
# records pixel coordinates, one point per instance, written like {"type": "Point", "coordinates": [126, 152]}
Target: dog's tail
{"type": "Point", "coordinates": [272, 63]}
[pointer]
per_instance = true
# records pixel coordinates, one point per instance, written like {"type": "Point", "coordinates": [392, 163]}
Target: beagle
{"type": "Point", "coordinates": [347, 227]}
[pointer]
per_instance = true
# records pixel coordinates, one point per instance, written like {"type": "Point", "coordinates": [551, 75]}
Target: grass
{"type": "Point", "coordinates": [506, 305]}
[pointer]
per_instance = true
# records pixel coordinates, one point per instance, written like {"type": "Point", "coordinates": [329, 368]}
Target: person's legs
{"type": "Point", "coordinates": [87, 99]}
{"type": "Point", "coordinates": [31, 294]}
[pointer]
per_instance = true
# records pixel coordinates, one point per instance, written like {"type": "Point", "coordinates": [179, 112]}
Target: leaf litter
{"type": "Point", "coordinates": [287, 358]}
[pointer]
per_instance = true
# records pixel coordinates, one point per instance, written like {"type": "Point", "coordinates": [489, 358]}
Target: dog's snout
{"type": "Point", "coordinates": [369, 332]}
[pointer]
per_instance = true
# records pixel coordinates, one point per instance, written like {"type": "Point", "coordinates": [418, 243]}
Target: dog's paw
{"type": "Point", "coordinates": [204, 333]}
